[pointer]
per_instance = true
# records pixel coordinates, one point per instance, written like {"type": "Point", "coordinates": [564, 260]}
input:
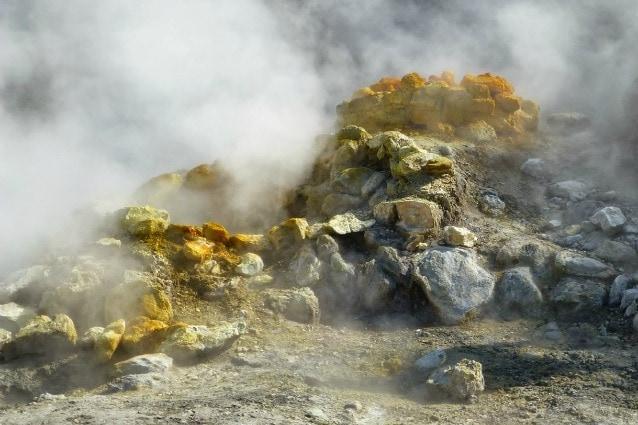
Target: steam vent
{"type": "Point", "coordinates": [444, 260]}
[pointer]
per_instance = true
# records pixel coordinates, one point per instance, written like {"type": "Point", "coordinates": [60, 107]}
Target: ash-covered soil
{"type": "Point", "coordinates": [288, 373]}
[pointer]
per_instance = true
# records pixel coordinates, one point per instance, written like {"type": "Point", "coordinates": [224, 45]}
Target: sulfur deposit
{"type": "Point", "coordinates": [479, 107]}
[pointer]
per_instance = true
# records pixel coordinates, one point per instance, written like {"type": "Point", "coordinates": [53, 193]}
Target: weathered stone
{"type": "Point", "coordinates": [385, 212]}
{"type": "Point", "coordinates": [461, 381]}
{"type": "Point", "coordinates": [204, 177]}
{"type": "Point", "coordinates": [391, 262]}
{"type": "Point", "coordinates": [453, 282]}
{"type": "Point", "coordinates": [572, 189]}
{"type": "Point", "coordinates": [326, 246]}
{"type": "Point", "coordinates": [620, 285]}
{"type": "Point", "coordinates": [142, 221]}
{"type": "Point", "coordinates": [352, 180]}
{"type": "Point", "coordinates": [491, 204]}
{"type": "Point", "coordinates": [374, 285]}
{"type": "Point", "coordinates": [430, 361]}
{"type": "Point", "coordinates": [577, 265]}
{"type": "Point", "coordinates": [518, 293]}
{"type": "Point", "coordinates": [343, 224]}
{"type": "Point", "coordinates": [629, 296]}
{"type": "Point", "coordinates": [299, 304]}
{"type": "Point", "coordinates": [459, 236]}
{"type": "Point", "coordinates": [245, 242]}
{"type": "Point", "coordinates": [610, 219]}
{"type": "Point", "coordinates": [14, 316]}
{"type": "Point", "coordinates": [187, 343]}
{"type": "Point", "coordinates": [578, 296]}
{"type": "Point", "coordinates": [288, 233]}
{"type": "Point", "coordinates": [42, 336]}
{"type": "Point", "coordinates": [528, 252]}
{"type": "Point", "coordinates": [251, 264]}
{"type": "Point", "coordinates": [417, 215]}
{"type": "Point", "coordinates": [144, 363]}
{"type": "Point", "coordinates": [305, 268]}
{"type": "Point", "coordinates": [616, 252]}
{"type": "Point", "coordinates": [373, 183]}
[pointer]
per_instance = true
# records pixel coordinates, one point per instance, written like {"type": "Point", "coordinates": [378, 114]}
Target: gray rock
{"type": "Point", "coordinates": [192, 342]}
{"type": "Point", "coordinates": [536, 254]}
{"type": "Point", "coordinates": [628, 297]}
{"type": "Point", "coordinates": [137, 382]}
{"type": "Point", "coordinates": [572, 189]}
{"type": "Point", "coordinates": [578, 265]}
{"type": "Point", "coordinates": [579, 211]}
{"type": "Point", "coordinates": [518, 293]}
{"type": "Point", "coordinates": [615, 252]}
{"type": "Point", "coordinates": [392, 263]}
{"type": "Point", "coordinates": [461, 381]}
{"type": "Point", "coordinates": [453, 282]}
{"type": "Point", "coordinates": [251, 265]}
{"type": "Point", "coordinates": [343, 224]}
{"type": "Point", "coordinates": [610, 219]}
{"type": "Point", "coordinates": [144, 363]}
{"type": "Point", "coordinates": [431, 360]}
{"type": "Point", "coordinates": [491, 204]}
{"type": "Point", "coordinates": [373, 183]}
{"type": "Point", "coordinates": [14, 316]}
{"type": "Point", "coordinates": [374, 285]}
{"type": "Point", "coordinates": [326, 246]}
{"type": "Point", "coordinates": [620, 285]}
{"type": "Point", "coordinates": [578, 296]}
{"type": "Point", "coordinates": [534, 167]}
{"type": "Point", "coordinates": [446, 151]}
{"type": "Point", "coordinates": [635, 323]}
{"type": "Point", "coordinates": [299, 304]}
{"type": "Point", "coordinates": [382, 236]}
{"type": "Point", "coordinates": [305, 268]}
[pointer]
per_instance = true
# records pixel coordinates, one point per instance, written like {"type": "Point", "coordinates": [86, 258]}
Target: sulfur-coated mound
{"type": "Point", "coordinates": [484, 103]}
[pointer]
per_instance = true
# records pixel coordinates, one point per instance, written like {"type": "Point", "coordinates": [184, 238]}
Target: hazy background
{"type": "Point", "coordinates": [96, 97]}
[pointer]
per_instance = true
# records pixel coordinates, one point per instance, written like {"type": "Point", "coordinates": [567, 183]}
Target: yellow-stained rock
{"type": "Point", "coordinates": [203, 177]}
{"type": "Point", "coordinates": [137, 296]}
{"type": "Point", "coordinates": [508, 102]}
{"type": "Point", "coordinates": [244, 242]}
{"type": "Point", "coordinates": [439, 165]}
{"type": "Point", "coordinates": [412, 81]}
{"type": "Point", "coordinates": [143, 335]}
{"type": "Point", "coordinates": [288, 233]}
{"type": "Point", "coordinates": [107, 342]}
{"type": "Point", "coordinates": [159, 189]}
{"type": "Point", "coordinates": [215, 232]}
{"type": "Point", "coordinates": [386, 84]}
{"type": "Point", "coordinates": [197, 250]}
{"type": "Point", "coordinates": [495, 83]}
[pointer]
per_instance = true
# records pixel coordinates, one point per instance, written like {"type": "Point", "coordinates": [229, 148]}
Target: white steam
{"type": "Point", "coordinates": [96, 97]}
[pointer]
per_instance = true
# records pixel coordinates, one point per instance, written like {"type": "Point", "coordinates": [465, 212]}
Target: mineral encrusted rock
{"type": "Point", "coordinates": [460, 381]}
{"type": "Point", "coordinates": [42, 336]}
{"type": "Point", "coordinates": [187, 343]}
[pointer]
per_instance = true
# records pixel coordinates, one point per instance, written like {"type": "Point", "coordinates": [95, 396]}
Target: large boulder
{"type": "Point", "coordinates": [610, 219]}
{"type": "Point", "coordinates": [453, 282]}
{"type": "Point", "coordinates": [298, 304]}
{"type": "Point", "coordinates": [188, 343]}
{"type": "Point", "coordinates": [578, 297]}
{"type": "Point", "coordinates": [577, 265]}
{"type": "Point", "coordinates": [42, 336]}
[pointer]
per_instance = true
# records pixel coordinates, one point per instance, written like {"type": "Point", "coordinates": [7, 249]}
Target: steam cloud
{"type": "Point", "coordinates": [97, 97]}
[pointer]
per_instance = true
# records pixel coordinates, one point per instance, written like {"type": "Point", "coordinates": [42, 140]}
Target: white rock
{"type": "Point", "coordinates": [145, 363]}
{"type": "Point", "coordinates": [459, 236]}
{"type": "Point", "coordinates": [431, 360]}
{"type": "Point", "coordinates": [251, 264]}
{"type": "Point", "coordinates": [610, 219]}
